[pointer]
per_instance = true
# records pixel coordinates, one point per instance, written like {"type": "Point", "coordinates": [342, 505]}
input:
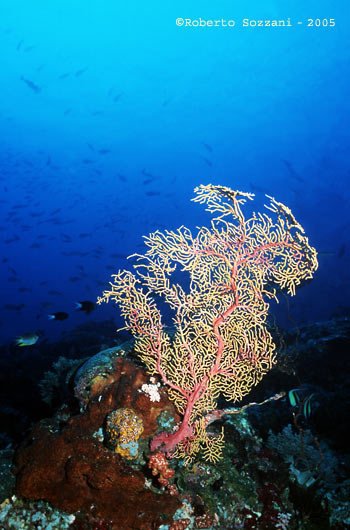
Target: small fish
{"type": "Point", "coordinates": [12, 239]}
{"type": "Point", "coordinates": [60, 315]}
{"type": "Point", "coordinates": [292, 172]}
{"type": "Point", "coordinates": [86, 306]}
{"type": "Point", "coordinates": [207, 161]}
{"type": "Point", "coordinates": [207, 146]}
{"type": "Point", "coordinates": [294, 397]}
{"type": "Point", "coordinates": [307, 409]}
{"type": "Point", "coordinates": [80, 72]}
{"type": "Point", "coordinates": [31, 85]}
{"type": "Point", "coordinates": [104, 151]}
{"type": "Point", "coordinates": [144, 172]}
{"type": "Point", "coordinates": [36, 214]}
{"type": "Point", "coordinates": [27, 339]}
{"type": "Point", "coordinates": [12, 307]}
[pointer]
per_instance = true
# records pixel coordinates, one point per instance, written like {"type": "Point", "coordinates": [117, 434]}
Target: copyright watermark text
{"type": "Point", "coordinates": [202, 22]}
{"type": "Point", "coordinates": [252, 22]}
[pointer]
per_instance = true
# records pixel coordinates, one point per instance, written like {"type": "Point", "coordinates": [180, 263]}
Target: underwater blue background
{"type": "Point", "coordinates": [111, 115]}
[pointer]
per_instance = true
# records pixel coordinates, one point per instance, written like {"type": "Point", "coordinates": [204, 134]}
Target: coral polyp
{"type": "Point", "coordinates": [123, 429]}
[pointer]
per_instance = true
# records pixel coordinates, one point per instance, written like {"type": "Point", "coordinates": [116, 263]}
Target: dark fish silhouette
{"type": "Point", "coordinates": [31, 85]}
{"type": "Point", "coordinates": [207, 161]}
{"type": "Point", "coordinates": [12, 239]}
{"type": "Point", "coordinates": [36, 214]}
{"type": "Point", "coordinates": [60, 315]}
{"type": "Point", "coordinates": [12, 307]}
{"type": "Point", "coordinates": [292, 172]}
{"type": "Point", "coordinates": [207, 146]}
{"type": "Point", "coordinates": [144, 172]}
{"type": "Point", "coordinates": [86, 306]}
{"type": "Point", "coordinates": [80, 72]}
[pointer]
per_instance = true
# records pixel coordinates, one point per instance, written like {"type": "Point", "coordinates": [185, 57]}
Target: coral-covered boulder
{"type": "Point", "coordinates": [66, 462]}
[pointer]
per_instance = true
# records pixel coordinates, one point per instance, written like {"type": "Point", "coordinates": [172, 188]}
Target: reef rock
{"type": "Point", "coordinates": [66, 462]}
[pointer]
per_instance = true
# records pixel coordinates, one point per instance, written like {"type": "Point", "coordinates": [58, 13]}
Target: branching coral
{"type": "Point", "coordinates": [221, 345]}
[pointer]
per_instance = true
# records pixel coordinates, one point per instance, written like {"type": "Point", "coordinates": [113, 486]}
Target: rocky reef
{"type": "Point", "coordinates": [89, 466]}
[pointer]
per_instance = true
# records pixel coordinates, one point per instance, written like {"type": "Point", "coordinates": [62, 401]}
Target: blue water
{"type": "Point", "coordinates": [111, 114]}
